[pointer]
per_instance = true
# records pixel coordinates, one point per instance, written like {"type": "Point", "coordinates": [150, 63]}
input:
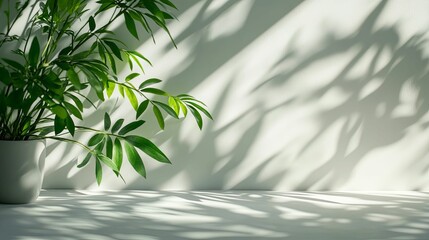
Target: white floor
{"type": "Point", "coordinates": [142, 215]}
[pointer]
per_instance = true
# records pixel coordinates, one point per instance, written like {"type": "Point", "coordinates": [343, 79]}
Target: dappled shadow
{"type": "Point", "coordinates": [247, 147]}
{"type": "Point", "coordinates": [372, 117]}
{"type": "Point", "coordinates": [215, 215]}
{"type": "Point", "coordinates": [199, 68]}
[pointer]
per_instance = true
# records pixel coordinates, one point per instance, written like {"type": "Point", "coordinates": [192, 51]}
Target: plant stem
{"type": "Point", "coordinates": [10, 26]}
{"type": "Point", "coordinates": [98, 131]}
{"type": "Point", "coordinates": [36, 122]}
{"type": "Point", "coordinates": [111, 20]}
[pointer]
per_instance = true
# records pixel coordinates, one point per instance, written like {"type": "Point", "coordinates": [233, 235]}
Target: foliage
{"type": "Point", "coordinates": [67, 52]}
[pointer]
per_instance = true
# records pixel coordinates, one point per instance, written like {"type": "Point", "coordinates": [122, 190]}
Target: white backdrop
{"type": "Point", "coordinates": [313, 95]}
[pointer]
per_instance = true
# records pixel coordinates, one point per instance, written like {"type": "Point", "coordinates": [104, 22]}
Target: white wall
{"type": "Point", "coordinates": [314, 95]}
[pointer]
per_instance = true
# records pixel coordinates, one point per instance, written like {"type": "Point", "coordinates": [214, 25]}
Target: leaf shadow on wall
{"type": "Point", "coordinates": [371, 117]}
{"type": "Point", "coordinates": [374, 118]}
{"type": "Point", "coordinates": [189, 79]}
{"type": "Point", "coordinates": [201, 165]}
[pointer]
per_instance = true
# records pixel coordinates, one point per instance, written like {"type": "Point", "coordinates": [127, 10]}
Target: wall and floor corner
{"type": "Point", "coordinates": [306, 95]}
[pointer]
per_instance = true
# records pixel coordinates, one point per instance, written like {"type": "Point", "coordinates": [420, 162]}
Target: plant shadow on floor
{"type": "Point", "coordinates": [215, 215]}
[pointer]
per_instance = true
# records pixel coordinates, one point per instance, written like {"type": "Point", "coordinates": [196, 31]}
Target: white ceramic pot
{"type": "Point", "coordinates": [21, 170]}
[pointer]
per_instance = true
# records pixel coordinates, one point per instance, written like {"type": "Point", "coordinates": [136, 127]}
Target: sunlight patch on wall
{"type": "Point", "coordinates": [408, 98]}
{"type": "Point", "coordinates": [333, 98]}
{"type": "Point", "coordinates": [230, 21]}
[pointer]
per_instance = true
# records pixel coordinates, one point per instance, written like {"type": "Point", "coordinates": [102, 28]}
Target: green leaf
{"type": "Point", "coordinates": [115, 49]}
{"type": "Point", "coordinates": [33, 55]}
{"type": "Point", "coordinates": [74, 78]}
{"type": "Point", "coordinates": [96, 139]}
{"type": "Point", "coordinates": [138, 17]}
{"type": "Point", "coordinates": [70, 125]}
{"type": "Point", "coordinates": [81, 55]}
{"type": "Point", "coordinates": [161, 17]}
{"type": "Point", "coordinates": [130, 62]}
{"type": "Point", "coordinates": [158, 18]}
{"type": "Point", "coordinates": [167, 15]}
{"type": "Point", "coordinates": [131, 76]}
{"type": "Point", "coordinates": [65, 51]}
{"type": "Point", "coordinates": [91, 23]}
{"type": "Point", "coordinates": [154, 91]}
{"type": "Point", "coordinates": [130, 127]}
{"type": "Point", "coordinates": [105, 5]}
{"type": "Point", "coordinates": [148, 147]}
{"type": "Point", "coordinates": [100, 146]}
{"type": "Point", "coordinates": [77, 101]}
{"type": "Point", "coordinates": [135, 159]}
{"type": "Point", "coordinates": [14, 64]}
{"type": "Point", "coordinates": [167, 2]}
{"type": "Point", "coordinates": [101, 52]}
{"type": "Point", "coordinates": [109, 147]}
{"type": "Point", "coordinates": [107, 161]}
{"type": "Point", "coordinates": [98, 171]}
{"type": "Point", "coordinates": [197, 116]}
{"type": "Point", "coordinates": [132, 98]}
{"type": "Point", "coordinates": [60, 124]}
{"type": "Point", "coordinates": [5, 76]}
{"type": "Point", "coordinates": [135, 53]}
{"type": "Point", "coordinates": [117, 125]}
{"type": "Point", "coordinates": [167, 109]}
{"type": "Point", "coordinates": [131, 26]}
{"type": "Point", "coordinates": [121, 90]}
{"type": "Point", "coordinates": [174, 105]}
{"type": "Point", "coordinates": [203, 110]}
{"type": "Point", "coordinates": [60, 111]}
{"type": "Point", "coordinates": [149, 82]}
{"type": "Point", "coordinates": [187, 98]}
{"type": "Point", "coordinates": [110, 88]}
{"type": "Point", "coordinates": [152, 7]}
{"type": "Point", "coordinates": [142, 107]}
{"type": "Point", "coordinates": [53, 83]}
{"type": "Point", "coordinates": [85, 160]}
{"type": "Point", "coordinates": [63, 65]}
{"type": "Point", "coordinates": [15, 99]}
{"type": "Point", "coordinates": [94, 80]}
{"type": "Point", "coordinates": [183, 107]}
{"type": "Point", "coordinates": [107, 121]}
{"type": "Point", "coordinates": [73, 110]}
{"type": "Point", "coordinates": [138, 63]}
{"type": "Point", "coordinates": [158, 116]}
{"type": "Point", "coordinates": [117, 154]}
{"type": "Point", "coordinates": [112, 62]}
{"type": "Point", "coordinates": [46, 130]}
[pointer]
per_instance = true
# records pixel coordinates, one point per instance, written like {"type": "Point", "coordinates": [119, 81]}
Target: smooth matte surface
{"type": "Point", "coordinates": [62, 215]}
{"type": "Point", "coordinates": [21, 163]}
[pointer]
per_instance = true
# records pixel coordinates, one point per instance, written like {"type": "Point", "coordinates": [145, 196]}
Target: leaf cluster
{"type": "Point", "coordinates": [68, 51]}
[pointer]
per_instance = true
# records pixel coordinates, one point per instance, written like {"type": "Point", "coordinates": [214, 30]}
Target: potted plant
{"type": "Point", "coordinates": [66, 53]}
